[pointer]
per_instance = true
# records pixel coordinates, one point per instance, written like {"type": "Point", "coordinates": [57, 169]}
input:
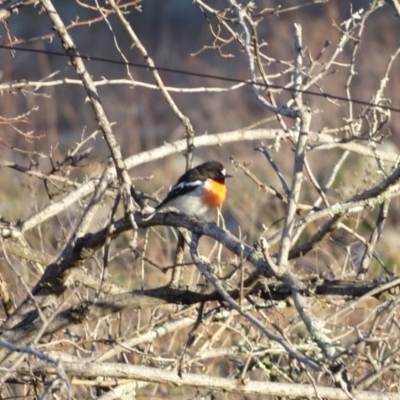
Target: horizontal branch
{"type": "Point", "coordinates": [21, 85]}
{"type": "Point", "coordinates": [201, 381]}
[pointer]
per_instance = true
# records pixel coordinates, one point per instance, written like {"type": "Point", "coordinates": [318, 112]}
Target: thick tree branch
{"type": "Point", "coordinates": [157, 375]}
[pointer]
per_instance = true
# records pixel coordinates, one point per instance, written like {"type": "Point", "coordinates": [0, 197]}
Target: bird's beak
{"type": "Point", "coordinates": [228, 176]}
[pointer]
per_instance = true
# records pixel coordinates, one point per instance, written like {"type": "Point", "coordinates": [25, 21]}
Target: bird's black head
{"type": "Point", "coordinates": [213, 170]}
{"type": "Point", "coordinates": [209, 170]}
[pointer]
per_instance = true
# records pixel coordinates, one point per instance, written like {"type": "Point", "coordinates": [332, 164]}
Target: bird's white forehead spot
{"type": "Point", "coordinates": [223, 172]}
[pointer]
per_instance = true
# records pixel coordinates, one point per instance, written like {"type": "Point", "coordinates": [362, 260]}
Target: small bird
{"type": "Point", "coordinates": [198, 190]}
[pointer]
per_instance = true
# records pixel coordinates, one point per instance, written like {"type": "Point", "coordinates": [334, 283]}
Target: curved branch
{"type": "Point", "coordinates": [320, 140]}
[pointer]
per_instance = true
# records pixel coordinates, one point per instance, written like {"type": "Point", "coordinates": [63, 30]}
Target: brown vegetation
{"type": "Point", "coordinates": [292, 292]}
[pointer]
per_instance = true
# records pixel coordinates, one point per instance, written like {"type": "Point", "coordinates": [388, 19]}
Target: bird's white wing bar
{"type": "Point", "coordinates": [183, 185]}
